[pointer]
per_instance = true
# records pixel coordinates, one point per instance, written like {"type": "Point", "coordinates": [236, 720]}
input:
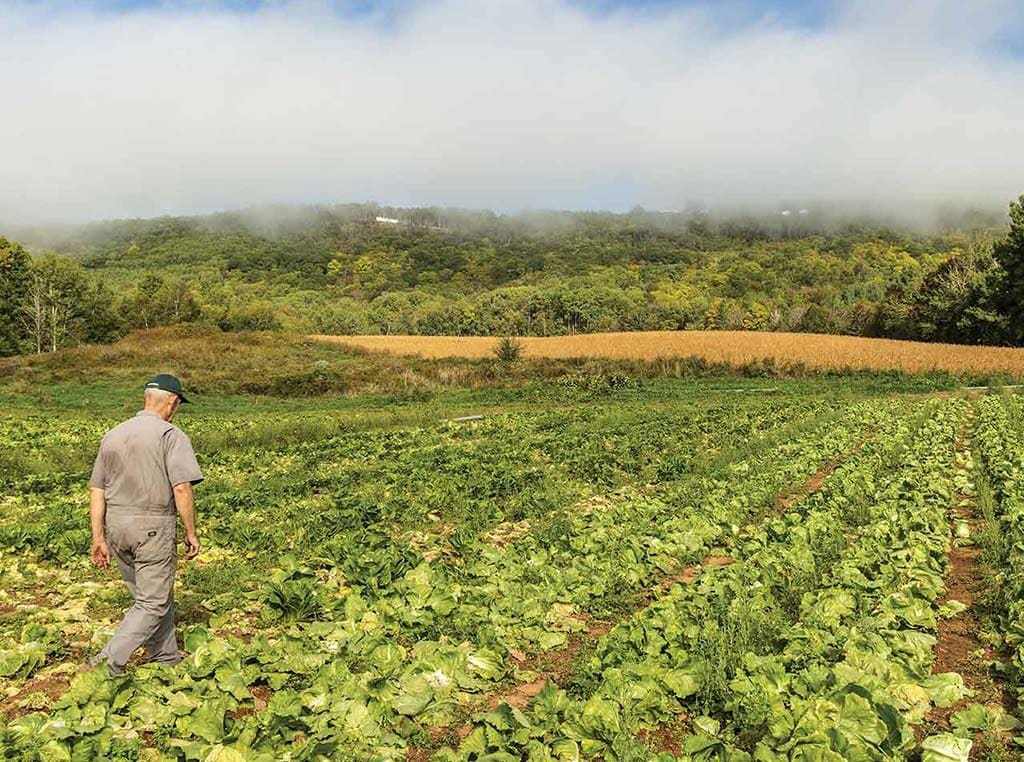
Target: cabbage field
{"type": "Point", "coordinates": [793, 573]}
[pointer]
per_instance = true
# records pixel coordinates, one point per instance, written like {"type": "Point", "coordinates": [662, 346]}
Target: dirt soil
{"type": "Point", "coordinates": [690, 573]}
{"type": "Point", "coordinates": [53, 687]}
{"type": "Point", "coordinates": [666, 737]}
{"type": "Point", "coordinates": [814, 482]}
{"type": "Point", "coordinates": [959, 647]}
{"type": "Point", "coordinates": [260, 698]}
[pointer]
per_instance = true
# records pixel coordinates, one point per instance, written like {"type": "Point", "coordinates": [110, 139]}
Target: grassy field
{"type": "Point", "coordinates": [734, 348]}
{"type": "Point", "coordinates": [619, 560]}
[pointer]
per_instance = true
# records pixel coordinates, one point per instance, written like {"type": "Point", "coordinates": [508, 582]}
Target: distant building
{"type": "Point", "coordinates": [696, 208]}
{"type": "Point", "coordinates": [388, 220]}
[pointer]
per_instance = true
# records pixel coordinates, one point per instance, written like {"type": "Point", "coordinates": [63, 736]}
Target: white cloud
{"type": "Point", "coordinates": [508, 104]}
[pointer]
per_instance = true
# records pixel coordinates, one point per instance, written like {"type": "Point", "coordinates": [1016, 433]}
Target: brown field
{"type": "Point", "coordinates": [730, 347]}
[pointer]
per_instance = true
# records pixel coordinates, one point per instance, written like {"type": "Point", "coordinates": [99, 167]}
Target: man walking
{"type": "Point", "coordinates": [144, 471]}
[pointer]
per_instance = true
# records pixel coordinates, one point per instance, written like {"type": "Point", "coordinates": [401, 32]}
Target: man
{"type": "Point", "coordinates": [144, 471]}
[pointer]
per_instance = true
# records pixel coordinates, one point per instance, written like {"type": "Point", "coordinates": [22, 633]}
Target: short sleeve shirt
{"type": "Point", "coordinates": [139, 463]}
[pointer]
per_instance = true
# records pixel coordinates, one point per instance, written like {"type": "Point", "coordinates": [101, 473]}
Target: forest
{"type": "Point", "coordinates": [367, 269]}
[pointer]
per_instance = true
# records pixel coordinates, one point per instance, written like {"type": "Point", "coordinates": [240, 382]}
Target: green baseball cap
{"type": "Point", "coordinates": [168, 383]}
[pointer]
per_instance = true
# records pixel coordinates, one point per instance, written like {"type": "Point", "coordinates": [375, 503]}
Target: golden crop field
{"type": "Point", "coordinates": [732, 347]}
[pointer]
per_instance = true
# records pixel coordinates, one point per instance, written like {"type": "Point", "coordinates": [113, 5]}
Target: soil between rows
{"type": "Point", "coordinates": [959, 647]}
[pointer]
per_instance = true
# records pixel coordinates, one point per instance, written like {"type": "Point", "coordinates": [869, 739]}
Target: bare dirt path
{"type": "Point", "coordinates": [959, 647]}
{"type": "Point", "coordinates": [815, 480]}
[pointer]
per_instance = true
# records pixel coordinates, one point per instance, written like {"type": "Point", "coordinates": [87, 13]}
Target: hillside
{"type": "Point", "coordinates": [337, 270]}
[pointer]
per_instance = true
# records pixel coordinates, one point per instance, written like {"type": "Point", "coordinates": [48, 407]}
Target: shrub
{"type": "Point", "coordinates": [508, 349]}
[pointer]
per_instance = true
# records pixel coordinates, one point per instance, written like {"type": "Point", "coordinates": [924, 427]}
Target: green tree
{"type": "Point", "coordinates": [156, 301]}
{"type": "Point", "coordinates": [377, 272]}
{"type": "Point", "coordinates": [140, 307]}
{"type": "Point", "coordinates": [251, 316]}
{"type": "Point", "coordinates": [54, 312]}
{"type": "Point", "coordinates": [15, 267]}
{"type": "Point", "coordinates": [956, 301]}
{"type": "Point", "coordinates": [1009, 253]}
{"type": "Point", "coordinates": [817, 319]}
{"type": "Point", "coordinates": [101, 321]}
{"type": "Point", "coordinates": [758, 318]}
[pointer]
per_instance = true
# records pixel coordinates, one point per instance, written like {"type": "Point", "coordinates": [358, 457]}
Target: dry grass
{"type": "Point", "coordinates": [730, 347]}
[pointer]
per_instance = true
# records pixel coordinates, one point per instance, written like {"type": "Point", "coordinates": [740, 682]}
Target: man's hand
{"type": "Point", "coordinates": [184, 500]}
{"type": "Point", "coordinates": [100, 553]}
{"type": "Point", "coordinates": [191, 546]}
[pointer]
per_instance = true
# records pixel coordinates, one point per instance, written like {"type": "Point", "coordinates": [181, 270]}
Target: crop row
{"type": "Point", "coordinates": [999, 442]}
{"type": "Point", "coordinates": [816, 644]}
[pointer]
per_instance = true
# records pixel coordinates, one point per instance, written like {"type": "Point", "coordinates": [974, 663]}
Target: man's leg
{"type": "Point", "coordinates": [163, 646]}
{"type": "Point", "coordinates": [154, 568]}
{"type": "Point", "coordinates": [122, 552]}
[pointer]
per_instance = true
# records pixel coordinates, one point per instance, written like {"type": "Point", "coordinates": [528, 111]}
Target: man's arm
{"type": "Point", "coordinates": [97, 513]}
{"type": "Point", "coordinates": [185, 502]}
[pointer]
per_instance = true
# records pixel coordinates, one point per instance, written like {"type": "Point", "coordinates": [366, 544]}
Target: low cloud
{"type": "Point", "coordinates": [504, 104]}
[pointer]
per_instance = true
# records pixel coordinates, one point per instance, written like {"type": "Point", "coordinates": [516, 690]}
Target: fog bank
{"type": "Point", "coordinates": [505, 105]}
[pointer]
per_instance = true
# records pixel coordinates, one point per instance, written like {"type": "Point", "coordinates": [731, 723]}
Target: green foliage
{"type": "Point", "coordinates": [333, 270]}
{"type": "Point", "coordinates": [422, 583]}
{"type": "Point", "coordinates": [58, 305]}
{"type": "Point", "coordinates": [294, 598]}
{"type": "Point", "coordinates": [1009, 253]}
{"type": "Point", "coordinates": [15, 267]}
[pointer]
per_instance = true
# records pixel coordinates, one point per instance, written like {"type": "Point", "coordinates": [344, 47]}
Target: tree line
{"type": "Point", "coordinates": [337, 270]}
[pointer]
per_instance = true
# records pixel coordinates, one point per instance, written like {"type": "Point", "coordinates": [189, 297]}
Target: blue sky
{"type": "Point", "coordinates": [803, 13]}
{"type": "Point", "coordinates": [730, 16]}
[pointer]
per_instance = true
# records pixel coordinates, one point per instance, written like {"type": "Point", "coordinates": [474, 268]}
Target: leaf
{"type": "Point", "coordinates": [206, 722]}
{"type": "Point", "coordinates": [148, 713]}
{"type": "Point", "coordinates": [94, 718]}
{"type": "Point", "coordinates": [680, 682]}
{"type": "Point", "coordinates": [946, 688]}
{"type": "Point", "coordinates": [913, 700]}
{"type": "Point", "coordinates": [549, 640]}
{"type": "Point", "coordinates": [859, 720]}
{"type": "Point", "coordinates": [231, 680]}
{"type": "Point", "coordinates": [486, 664]}
{"type": "Point", "coordinates": [951, 608]}
{"type": "Point", "coordinates": [415, 694]}
{"type": "Point", "coordinates": [945, 747]}
{"type": "Point", "coordinates": [54, 751]}
{"type": "Point", "coordinates": [207, 657]}
{"type": "Point", "coordinates": [974, 717]}
{"type": "Point", "coordinates": [224, 754]}
{"type": "Point", "coordinates": [475, 742]}
{"type": "Point", "coordinates": [388, 657]}
{"type": "Point", "coordinates": [600, 717]}
{"type": "Point", "coordinates": [566, 749]}
{"type": "Point", "coordinates": [11, 662]}
{"type": "Point", "coordinates": [195, 636]}
{"type": "Point", "coordinates": [707, 725]}
{"type": "Point", "coordinates": [286, 704]}
{"type": "Point", "coordinates": [25, 730]}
